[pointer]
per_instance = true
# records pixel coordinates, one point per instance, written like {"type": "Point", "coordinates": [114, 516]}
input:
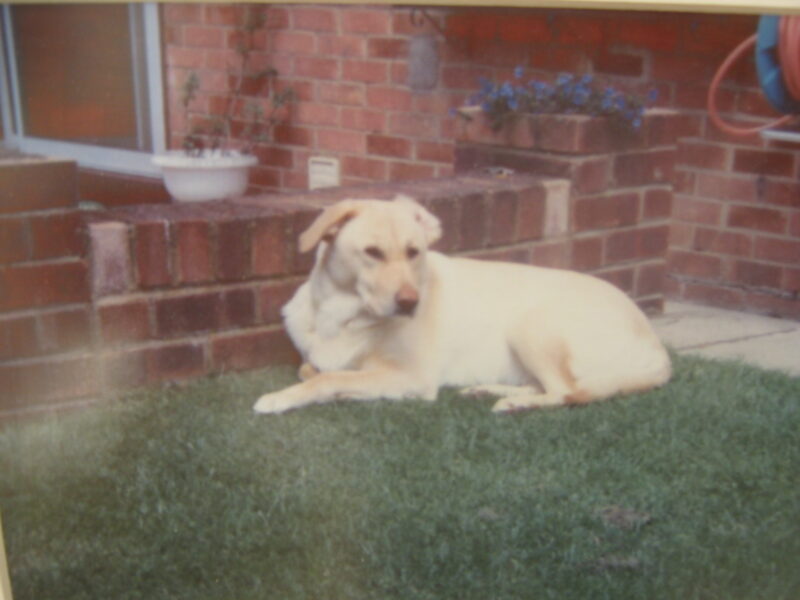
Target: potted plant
{"type": "Point", "coordinates": [508, 113]}
{"type": "Point", "coordinates": [217, 153]}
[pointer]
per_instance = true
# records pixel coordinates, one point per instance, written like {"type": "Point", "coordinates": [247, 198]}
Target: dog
{"type": "Point", "coordinates": [383, 316]}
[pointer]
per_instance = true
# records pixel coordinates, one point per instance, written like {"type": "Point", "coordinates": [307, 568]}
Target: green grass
{"type": "Point", "coordinates": [690, 491]}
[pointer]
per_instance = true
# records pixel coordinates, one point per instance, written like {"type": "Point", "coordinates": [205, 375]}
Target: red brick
{"type": "Point", "coordinates": [722, 242]}
{"type": "Point", "coordinates": [363, 119]}
{"type": "Point", "coordinates": [385, 145]}
{"type": "Point", "coordinates": [442, 152]}
{"type": "Point", "coordinates": [65, 330]}
{"type": "Point", "coordinates": [655, 33]}
{"type": "Point", "coordinates": [621, 278]}
{"type": "Point", "coordinates": [270, 256]}
{"type": "Point", "coordinates": [558, 59]}
{"type": "Point", "coordinates": [112, 269]}
{"type": "Point", "coordinates": [253, 350]}
{"type": "Point", "coordinates": [55, 236]}
{"type": "Point", "coordinates": [234, 251]}
{"type": "Point", "coordinates": [313, 19]}
{"type": "Point", "coordinates": [778, 250]}
{"type": "Point", "coordinates": [773, 305]}
{"type": "Point", "coordinates": [346, 46]}
{"type": "Point", "coordinates": [713, 295]}
{"type": "Point", "coordinates": [193, 248]}
{"type": "Point", "coordinates": [18, 337]}
{"type": "Point", "coordinates": [761, 162]}
{"type": "Point", "coordinates": [686, 208]}
{"type": "Point", "coordinates": [520, 28]}
{"type": "Point", "coordinates": [45, 382]}
{"type": "Point", "coordinates": [367, 168]}
{"type": "Point", "coordinates": [404, 171]}
{"type": "Point", "coordinates": [657, 204]}
{"type": "Point", "coordinates": [573, 29]}
{"type": "Point", "coordinates": [782, 193]}
{"type": "Point", "coordinates": [342, 140]}
{"type": "Point", "coordinates": [388, 98]}
{"type": "Point", "coordinates": [694, 264]}
{"type": "Point", "coordinates": [315, 113]}
{"type": "Point", "coordinates": [125, 322]}
{"type": "Point", "coordinates": [292, 136]}
{"type": "Point", "coordinates": [617, 63]}
{"type": "Point", "coordinates": [341, 93]}
{"type": "Point", "coordinates": [473, 222]}
{"type": "Point", "coordinates": [226, 15]}
{"type": "Point", "coordinates": [726, 187]}
{"type": "Point", "coordinates": [650, 279]}
{"type": "Point", "coordinates": [531, 208]}
{"type": "Point", "coordinates": [603, 212]}
{"type": "Point", "coordinates": [43, 284]}
{"type": "Point", "coordinates": [203, 37]}
{"type": "Point", "coordinates": [15, 240]}
{"type": "Point", "coordinates": [293, 42]}
{"type": "Point", "coordinates": [188, 314]}
{"type": "Point", "coordinates": [759, 219]}
{"type": "Point", "coordinates": [175, 362]}
{"type": "Point", "coordinates": [551, 254]}
{"type": "Point", "coordinates": [183, 13]}
{"type": "Point", "coordinates": [702, 155]}
{"type": "Point", "coordinates": [593, 175]}
{"type": "Point", "coordinates": [388, 48]}
{"type": "Point", "coordinates": [369, 22]}
{"type": "Point", "coordinates": [316, 67]}
{"type": "Point", "coordinates": [238, 308]}
{"type": "Point", "coordinates": [272, 298]}
{"type": "Point", "coordinates": [32, 185]}
{"type": "Point", "coordinates": [503, 218]}
{"type": "Point", "coordinates": [153, 255]}
{"type": "Point", "coordinates": [641, 168]}
{"type": "Point", "coordinates": [446, 210]}
{"type": "Point", "coordinates": [124, 370]}
{"type": "Point", "coordinates": [635, 244]}
{"type": "Point", "coordinates": [587, 253]}
{"type": "Point", "coordinates": [411, 124]}
{"type": "Point", "coordinates": [757, 274]}
{"type": "Point", "coordinates": [365, 71]}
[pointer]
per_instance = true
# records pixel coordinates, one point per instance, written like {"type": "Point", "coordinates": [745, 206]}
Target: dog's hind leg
{"type": "Point", "coordinates": [548, 361]}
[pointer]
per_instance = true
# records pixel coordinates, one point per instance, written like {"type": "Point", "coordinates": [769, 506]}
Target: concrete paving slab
{"type": "Point", "coordinates": [717, 333]}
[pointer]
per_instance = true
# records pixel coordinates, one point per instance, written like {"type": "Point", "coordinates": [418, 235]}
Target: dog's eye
{"type": "Point", "coordinates": [412, 252]}
{"type": "Point", "coordinates": [374, 252]}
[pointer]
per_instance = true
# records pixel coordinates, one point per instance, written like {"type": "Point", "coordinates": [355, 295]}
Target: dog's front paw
{"type": "Point", "coordinates": [273, 404]}
{"type": "Point", "coordinates": [505, 405]}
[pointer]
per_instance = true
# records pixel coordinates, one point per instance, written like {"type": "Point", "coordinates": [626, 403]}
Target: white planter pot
{"type": "Point", "coordinates": [212, 176]}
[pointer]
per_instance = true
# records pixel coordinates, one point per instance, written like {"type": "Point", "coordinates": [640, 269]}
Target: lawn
{"type": "Point", "coordinates": [690, 491]}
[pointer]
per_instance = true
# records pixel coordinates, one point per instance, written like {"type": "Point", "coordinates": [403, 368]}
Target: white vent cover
{"type": "Point", "coordinates": [323, 171]}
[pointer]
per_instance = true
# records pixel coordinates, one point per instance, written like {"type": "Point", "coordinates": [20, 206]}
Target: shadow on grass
{"type": "Point", "coordinates": [690, 491]}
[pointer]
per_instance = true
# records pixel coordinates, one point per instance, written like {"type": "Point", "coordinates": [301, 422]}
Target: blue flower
{"type": "Point", "coordinates": [518, 72]}
{"type": "Point", "coordinates": [652, 95]}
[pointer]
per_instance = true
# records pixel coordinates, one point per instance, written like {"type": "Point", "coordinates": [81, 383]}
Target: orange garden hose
{"type": "Point", "coordinates": [789, 56]}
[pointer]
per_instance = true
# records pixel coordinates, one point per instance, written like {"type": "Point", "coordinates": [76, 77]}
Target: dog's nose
{"type": "Point", "coordinates": [406, 300]}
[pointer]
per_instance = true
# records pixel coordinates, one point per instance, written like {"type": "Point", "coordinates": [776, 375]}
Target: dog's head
{"type": "Point", "coordinates": [376, 249]}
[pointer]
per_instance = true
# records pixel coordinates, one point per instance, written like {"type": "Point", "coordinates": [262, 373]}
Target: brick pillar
{"type": "Point", "coordinates": [615, 218]}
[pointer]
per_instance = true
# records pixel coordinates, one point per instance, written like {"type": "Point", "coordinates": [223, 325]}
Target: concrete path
{"type": "Point", "coordinates": [716, 333]}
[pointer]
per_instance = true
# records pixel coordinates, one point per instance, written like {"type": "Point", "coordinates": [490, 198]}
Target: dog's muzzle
{"type": "Point", "coordinates": [406, 300]}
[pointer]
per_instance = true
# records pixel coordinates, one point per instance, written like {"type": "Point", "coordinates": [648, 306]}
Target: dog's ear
{"type": "Point", "coordinates": [429, 223]}
{"type": "Point", "coordinates": [327, 224]}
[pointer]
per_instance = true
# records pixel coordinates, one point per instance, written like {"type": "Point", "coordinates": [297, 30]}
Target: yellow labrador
{"type": "Point", "coordinates": [381, 316]}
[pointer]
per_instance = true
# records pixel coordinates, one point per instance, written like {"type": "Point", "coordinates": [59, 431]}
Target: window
{"type": "Point", "coordinates": [84, 81]}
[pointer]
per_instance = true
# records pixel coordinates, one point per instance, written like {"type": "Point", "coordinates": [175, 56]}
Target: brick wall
{"type": "Point", "coordinates": [737, 208]}
{"type": "Point", "coordinates": [168, 292]}
{"type": "Point", "coordinates": [45, 311]}
{"type": "Point", "coordinates": [181, 291]}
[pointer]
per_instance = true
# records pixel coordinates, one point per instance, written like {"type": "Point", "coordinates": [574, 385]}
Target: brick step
{"type": "Point", "coordinates": [43, 235]}
{"type": "Point", "coordinates": [42, 284]}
